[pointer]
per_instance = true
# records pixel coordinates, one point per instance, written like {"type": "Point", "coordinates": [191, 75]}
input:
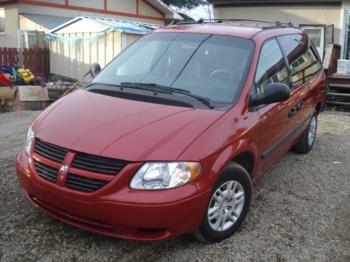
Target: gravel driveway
{"type": "Point", "coordinates": [300, 212]}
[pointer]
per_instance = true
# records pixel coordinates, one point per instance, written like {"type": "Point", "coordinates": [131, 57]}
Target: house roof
{"type": "Point", "coordinates": [169, 12]}
{"type": "Point", "coordinates": [271, 2]}
{"type": "Point", "coordinates": [47, 21]}
{"type": "Point", "coordinates": [99, 25]}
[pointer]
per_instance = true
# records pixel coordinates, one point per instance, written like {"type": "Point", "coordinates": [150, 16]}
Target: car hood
{"type": "Point", "coordinates": [124, 129]}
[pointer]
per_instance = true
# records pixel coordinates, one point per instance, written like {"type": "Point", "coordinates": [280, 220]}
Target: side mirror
{"type": "Point", "coordinates": [274, 92]}
{"type": "Point", "coordinates": [95, 69]}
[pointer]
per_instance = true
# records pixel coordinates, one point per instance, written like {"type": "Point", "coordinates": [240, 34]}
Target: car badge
{"type": "Point", "coordinates": [63, 169]}
{"type": "Point", "coordinates": [63, 172]}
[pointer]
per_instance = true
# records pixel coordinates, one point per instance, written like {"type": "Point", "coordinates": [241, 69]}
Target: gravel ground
{"type": "Point", "coordinates": [300, 212]}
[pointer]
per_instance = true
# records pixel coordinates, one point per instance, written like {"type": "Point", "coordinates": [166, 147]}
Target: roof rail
{"type": "Point", "coordinates": [269, 24]}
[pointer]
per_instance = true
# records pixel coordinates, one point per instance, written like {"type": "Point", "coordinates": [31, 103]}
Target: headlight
{"type": "Point", "coordinates": [164, 175]}
{"type": "Point", "coordinates": [30, 140]}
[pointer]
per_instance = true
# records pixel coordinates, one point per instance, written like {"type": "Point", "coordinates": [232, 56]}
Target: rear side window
{"type": "Point", "coordinates": [303, 63]}
{"type": "Point", "coordinates": [271, 66]}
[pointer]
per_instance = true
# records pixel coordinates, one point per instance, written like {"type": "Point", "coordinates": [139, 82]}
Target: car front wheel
{"type": "Point", "coordinates": [228, 205]}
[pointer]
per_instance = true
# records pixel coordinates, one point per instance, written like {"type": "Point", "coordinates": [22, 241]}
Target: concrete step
{"type": "Point", "coordinates": [338, 94]}
{"type": "Point", "coordinates": [343, 80]}
{"type": "Point", "coordinates": [339, 87]}
{"type": "Point", "coordinates": [339, 76]}
{"type": "Point", "coordinates": [337, 103]}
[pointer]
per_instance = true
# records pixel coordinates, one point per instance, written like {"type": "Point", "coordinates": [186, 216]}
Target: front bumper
{"type": "Point", "coordinates": [124, 213]}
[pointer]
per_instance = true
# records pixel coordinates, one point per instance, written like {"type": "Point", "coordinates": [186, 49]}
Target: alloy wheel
{"type": "Point", "coordinates": [312, 131]}
{"type": "Point", "coordinates": [226, 205]}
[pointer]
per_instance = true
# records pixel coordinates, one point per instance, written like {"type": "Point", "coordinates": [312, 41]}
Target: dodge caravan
{"type": "Point", "coordinates": [170, 136]}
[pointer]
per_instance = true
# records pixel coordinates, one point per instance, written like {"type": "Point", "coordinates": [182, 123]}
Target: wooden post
{"type": "Point", "coordinates": [20, 57]}
{"type": "Point", "coordinates": [1, 56]}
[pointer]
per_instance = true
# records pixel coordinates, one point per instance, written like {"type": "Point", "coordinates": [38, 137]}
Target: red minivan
{"type": "Point", "coordinates": [169, 137]}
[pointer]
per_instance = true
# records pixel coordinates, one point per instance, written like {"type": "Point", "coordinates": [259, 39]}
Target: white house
{"type": "Point", "coordinates": [326, 21]}
{"type": "Point", "coordinates": [23, 21]}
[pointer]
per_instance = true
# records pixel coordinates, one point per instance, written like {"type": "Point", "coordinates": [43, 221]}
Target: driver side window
{"type": "Point", "coordinates": [271, 67]}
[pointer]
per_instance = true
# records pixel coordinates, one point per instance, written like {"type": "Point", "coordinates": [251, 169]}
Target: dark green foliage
{"type": "Point", "coordinates": [185, 3]}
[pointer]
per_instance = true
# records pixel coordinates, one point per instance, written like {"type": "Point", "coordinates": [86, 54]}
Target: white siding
{"type": "Point", "coordinates": [97, 4]}
{"type": "Point", "coordinates": [82, 26]}
{"type": "Point", "coordinates": [10, 37]}
{"type": "Point", "coordinates": [146, 9]}
{"type": "Point", "coordinates": [325, 15]}
{"type": "Point", "coordinates": [62, 2]}
{"type": "Point", "coordinates": [122, 6]}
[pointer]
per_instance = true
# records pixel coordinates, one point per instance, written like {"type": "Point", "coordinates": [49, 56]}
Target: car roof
{"type": "Point", "coordinates": [240, 28]}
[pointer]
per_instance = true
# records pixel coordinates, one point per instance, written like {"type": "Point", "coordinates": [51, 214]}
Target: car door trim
{"type": "Point", "coordinates": [285, 138]}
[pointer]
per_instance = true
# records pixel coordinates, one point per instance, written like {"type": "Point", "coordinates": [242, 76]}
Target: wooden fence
{"type": "Point", "coordinates": [35, 59]}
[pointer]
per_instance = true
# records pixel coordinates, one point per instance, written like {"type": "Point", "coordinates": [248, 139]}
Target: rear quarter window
{"type": "Point", "coordinates": [303, 62]}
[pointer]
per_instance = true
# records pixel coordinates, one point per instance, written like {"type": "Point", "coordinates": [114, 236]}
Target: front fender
{"type": "Point", "coordinates": [229, 153]}
{"type": "Point", "coordinates": [236, 132]}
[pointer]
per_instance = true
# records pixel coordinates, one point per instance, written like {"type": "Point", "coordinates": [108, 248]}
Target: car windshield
{"type": "Point", "coordinates": [213, 67]}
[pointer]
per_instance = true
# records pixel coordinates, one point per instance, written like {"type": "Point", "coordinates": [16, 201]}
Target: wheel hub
{"type": "Point", "coordinates": [312, 131]}
{"type": "Point", "coordinates": [226, 205]}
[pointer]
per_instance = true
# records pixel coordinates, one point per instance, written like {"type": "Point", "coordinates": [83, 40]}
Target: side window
{"type": "Point", "coordinates": [271, 66]}
{"type": "Point", "coordinates": [314, 51]}
{"type": "Point", "coordinates": [303, 63]}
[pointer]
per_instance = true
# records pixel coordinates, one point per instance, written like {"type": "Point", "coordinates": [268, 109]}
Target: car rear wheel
{"type": "Point", "coordinates": [308, 137]}
{"type": "Point", "coordinates": [228, 205]}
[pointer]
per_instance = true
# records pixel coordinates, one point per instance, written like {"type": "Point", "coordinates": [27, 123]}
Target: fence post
{"type": "Point", "coordinates": [20, 57]}
{"type": "Point", "coordinates": [6, 62]}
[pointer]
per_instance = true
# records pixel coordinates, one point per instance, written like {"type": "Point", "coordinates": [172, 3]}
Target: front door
{"type": "Point", "coordinates": [274, 122]}
{"type": "Point", "coordinates": [317, 35]}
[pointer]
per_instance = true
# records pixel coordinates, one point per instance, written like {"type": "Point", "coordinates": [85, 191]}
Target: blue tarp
{"type": "Point", "coordinates": [130, 27]}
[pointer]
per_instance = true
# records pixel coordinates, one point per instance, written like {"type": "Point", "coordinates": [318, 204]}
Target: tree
{"type": "Point", "coordinates": [185, 3]}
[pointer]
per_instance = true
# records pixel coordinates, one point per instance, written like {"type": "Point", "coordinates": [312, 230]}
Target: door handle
{"type": "Point", "coordinates": [292, 111]}
{"type": "Point", "coordinates": [300, 105]}
{"type": "Point", "coordinates": [296, 109]}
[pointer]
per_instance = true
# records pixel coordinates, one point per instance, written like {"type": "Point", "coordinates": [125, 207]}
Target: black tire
{"type": "Point", "coordinates": [233, 172]}
{"type": "Point", "coordinates": [303, 145]}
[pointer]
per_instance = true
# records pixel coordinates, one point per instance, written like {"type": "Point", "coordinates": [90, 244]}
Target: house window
{"type": "Point", "coordinates": [346, 50]}
{"type": "Point", "coordinates": [317, 35]}
{"type": "Point", "coordinates": [29, 39]}
{"type": "Point", "coordinates": [2, 20]}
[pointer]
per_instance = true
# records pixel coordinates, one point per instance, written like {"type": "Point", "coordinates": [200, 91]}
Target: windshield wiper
{"type": "Point", "coordinates": [168, 90]}
{"type": "Point", "coordinates": [131, 85]}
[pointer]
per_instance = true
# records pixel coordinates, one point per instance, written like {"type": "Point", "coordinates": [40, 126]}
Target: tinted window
{"type": "Point", "coordinates": [303, 62]}
{"type": "Point", "coordinates": [314, 51]}
{"type": "Point", "coordinates": [271, 66]}
{"type": "Point", "coordinates": [210, 66]}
